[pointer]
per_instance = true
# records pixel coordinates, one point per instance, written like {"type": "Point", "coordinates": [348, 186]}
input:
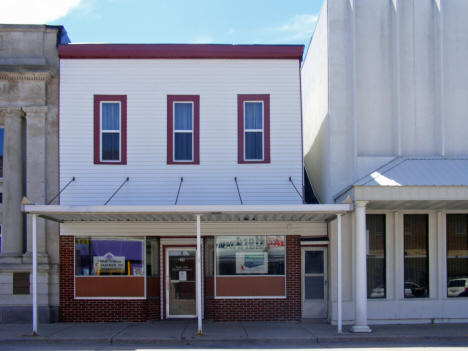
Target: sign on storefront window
{"type": "Point", "coordinates": [244, 255]}
{"type": "Point", "coordinates": [109, 256]}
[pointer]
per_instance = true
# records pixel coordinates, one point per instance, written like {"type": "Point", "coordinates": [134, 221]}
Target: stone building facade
{"type": "Point", "coordinates": [29, 67]}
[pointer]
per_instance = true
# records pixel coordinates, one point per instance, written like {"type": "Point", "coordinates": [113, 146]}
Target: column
{"type": "Point", "coordinates": [360, 303]}
{"type": "Point", "coordinates": [12, 222]}
{"type": "Point", "coordinates": [36, 172]}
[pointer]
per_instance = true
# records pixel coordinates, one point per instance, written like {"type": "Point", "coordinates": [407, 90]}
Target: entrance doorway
{"type": "Point", "coordinates": [314, 282]}
{"type": "Point", "coordinates": [181, 288]}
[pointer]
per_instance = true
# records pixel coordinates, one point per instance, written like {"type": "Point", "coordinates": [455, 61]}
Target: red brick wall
{"type": "Point", "coordinates": [289, 309]}
{"type": "Point", "coordinates": [72, 310]}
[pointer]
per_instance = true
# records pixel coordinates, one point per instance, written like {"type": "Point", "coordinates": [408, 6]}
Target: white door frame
{"type": "Point", "coordinates": [167, 277]}
{"type": "Point", "coordinates": [325, 275]}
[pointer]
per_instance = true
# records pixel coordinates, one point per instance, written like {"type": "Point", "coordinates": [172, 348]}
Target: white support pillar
{"type": "Point", "coordinates": [34, 273]}
{"type": "Point", "coordinates": [340, 318]}
{"type": "Point", "coordinates": [360, 297]}
{"type": "Point", "coordinates": [199, 287]}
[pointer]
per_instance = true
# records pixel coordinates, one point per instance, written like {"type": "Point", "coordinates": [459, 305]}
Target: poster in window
{"type": "Point", "coordinates": [251, 263]}
{"type": "Point", "coordinates": [108, 264]}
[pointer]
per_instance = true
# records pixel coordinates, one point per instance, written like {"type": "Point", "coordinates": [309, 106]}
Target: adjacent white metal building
{"type": "Point", "coordinates": [384, 105]}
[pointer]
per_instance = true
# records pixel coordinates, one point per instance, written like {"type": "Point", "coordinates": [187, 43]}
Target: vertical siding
{"type": "Point", "coordinates": [315, 110]}
{"type": "Point", "coordinates": [147, 84]}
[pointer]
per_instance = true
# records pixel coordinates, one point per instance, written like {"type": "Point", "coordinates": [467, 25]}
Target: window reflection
{"type": "Point", "coordinates": [250, 255]}
{"type": "Point", "coordinates": [376, 272]}
{"type": "Point", "coordinates": [457, 255]}
{"type": "Point", "coordinates": [108, 256]}
{"type": "Point", "coordinates": [416, 256]}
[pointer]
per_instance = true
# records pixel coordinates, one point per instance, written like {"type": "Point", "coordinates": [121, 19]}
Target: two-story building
{"type": "Point", "coordinates": [384, 100]}
{"type": "Point", "coordinates": [181, 171]}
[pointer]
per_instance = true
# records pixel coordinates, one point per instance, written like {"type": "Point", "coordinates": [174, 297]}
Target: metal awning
{"type": "Point", "coordinates": [423, 183]}
{"type": "Point", "coordinates": [184, 213]}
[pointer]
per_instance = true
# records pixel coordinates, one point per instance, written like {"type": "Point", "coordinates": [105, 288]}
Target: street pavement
{"type": "Point", "coordinates": [225, 335]}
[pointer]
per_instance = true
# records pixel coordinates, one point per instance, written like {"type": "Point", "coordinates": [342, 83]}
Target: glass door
{"type": "Point", "coordinates": [314, 282]}
{"type": "Point", "coordinates": [181, 283]}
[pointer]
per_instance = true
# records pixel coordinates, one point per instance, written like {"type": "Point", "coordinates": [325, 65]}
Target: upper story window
{"type": "Point", "coordinates": [183, 129]}
{"type": "Point", "coordinates": [253, 128]}
{"type": "Point", "coordinates": [110, 129]}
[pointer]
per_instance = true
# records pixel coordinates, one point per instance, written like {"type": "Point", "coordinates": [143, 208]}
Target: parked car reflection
{"type": "Point", "coordinates": [457, 287]}
{"type": "Point", "coordinates": [414, 290]}
{"type": "Point", "coordinates": [411, 290]}
{"type": "Point", "coordinates": [378, 292]}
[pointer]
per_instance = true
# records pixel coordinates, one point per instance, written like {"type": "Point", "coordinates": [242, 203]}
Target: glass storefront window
{"type": "Point", "coordinates": [250, 255]}
{"type": "Point", "coordinates": [109, 256]}
{"type": "Point", "coordinates": [457, 255]}
{"type": "Point", "coordinates": [152, 257]}
{"type": "Point", "coordinates": [376, 256]}
{"type": "Point", "coordinates": [416, 256]}
{"type": "Point", "coordinates": [209, 257]}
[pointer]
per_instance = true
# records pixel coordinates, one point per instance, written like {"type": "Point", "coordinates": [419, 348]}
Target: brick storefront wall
{"type": "Point", "coordinates": [288, 309]}
{"type": "Point", "coordinates": [72, 310]}
{"type": "Point", "coordinates": [220, 310]}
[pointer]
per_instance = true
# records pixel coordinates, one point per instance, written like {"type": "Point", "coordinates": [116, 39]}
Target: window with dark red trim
{"type": "Point", "coordinates": [110, 129]}
{"type": "Point", "coordinates": [253, 128]}
{"type": "Point", "coordinates": [183, 129]}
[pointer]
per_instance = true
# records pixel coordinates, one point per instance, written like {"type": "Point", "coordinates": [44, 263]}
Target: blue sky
{"type": "Point", "coordinates": [172, 21]}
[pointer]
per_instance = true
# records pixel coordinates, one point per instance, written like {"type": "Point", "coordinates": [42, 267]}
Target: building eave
{"type": "Point", "coordinates": [179, 51]}
{"type": "Point", "coordinates": [179, 213]}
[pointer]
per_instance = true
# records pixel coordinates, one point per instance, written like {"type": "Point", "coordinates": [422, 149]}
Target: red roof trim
{"type": "Point", "coordinates": [179, 51]}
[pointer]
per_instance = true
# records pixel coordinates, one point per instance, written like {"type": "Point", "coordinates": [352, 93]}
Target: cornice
{"type": "Point", "coordinates": [27, 72]}
{"type": "Point", "coordinates": [35, 111]}
{"type": "Point", "coordinates": [11, 111]}
{"type": "Point", "coordinates": [179, 51]}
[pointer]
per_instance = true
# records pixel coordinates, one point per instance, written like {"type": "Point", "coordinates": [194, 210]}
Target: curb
{"type": "Point", "coordinates": [250, 341]}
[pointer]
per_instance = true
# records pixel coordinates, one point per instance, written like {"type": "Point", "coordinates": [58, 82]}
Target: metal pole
{"type": "Point", "coordinates": [340, 329]}
{"type": "Point", "coordinates": [199, 290]}
{"type": "Point", "coordinates": [34, 273]}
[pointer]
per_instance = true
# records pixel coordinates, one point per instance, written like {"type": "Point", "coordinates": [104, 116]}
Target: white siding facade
{"type": "Point", "coordinates": [146, 83]}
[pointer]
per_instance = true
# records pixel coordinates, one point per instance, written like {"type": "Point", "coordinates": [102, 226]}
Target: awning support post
{"type": "Point", "coordinates": [199, 289]}
{"type": "Point", "coordinates": [34, 273]}
{"type": "Point", "coordinates": [340, 329]}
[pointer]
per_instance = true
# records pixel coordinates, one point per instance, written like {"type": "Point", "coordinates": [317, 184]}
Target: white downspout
{"type": "Point", "coordinates": [199, 287]}
{"type": "Point", "coordinates": [34, 273]}
{"type": "Point", "coordinates": [340, 329]}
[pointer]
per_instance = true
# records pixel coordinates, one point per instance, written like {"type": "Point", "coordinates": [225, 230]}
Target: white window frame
{"type": "Point", "coordinates": [101, 131]}
{"type": "Point", "coordinates": [256, 131]}
{"type": "Point", "coordinates": [182, 131]}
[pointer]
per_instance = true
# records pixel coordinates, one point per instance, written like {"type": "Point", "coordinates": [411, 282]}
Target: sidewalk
{"type": "Point", "coordinates": [165, 332]}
